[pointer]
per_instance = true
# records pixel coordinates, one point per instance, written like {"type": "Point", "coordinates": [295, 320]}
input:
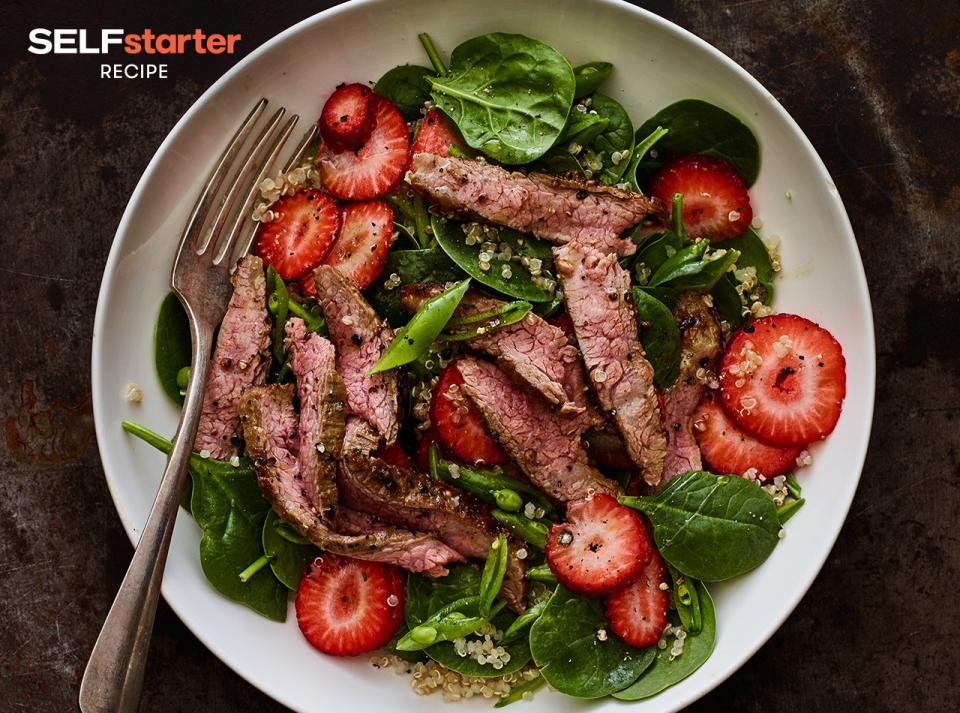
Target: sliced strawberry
{"type": "Point", "coordinates": [373, 169]}
{"type": "Point", "coordinates": [393, 454]}
{"type": "Point", "coordinates": [716, 204]}
{"type": "Point", "coordinates": [436, 135]}
{"type": "Point", "coordinates": [601, 547]}
{"type": "Point", "coordinates": [348, 117]}
{"type": "Point", "coordinates": [423, 450]}
{"type": "Point", "coordinates": [459, 425]}
{"type": "Point", "coordinates": [783, 380]}
{"type": "Point", "coordinates": [347, 607]}
{"type": "Point", "coordinates": [727, 449]}
{"type": "Point", "coordinates": [300, 235]}
{"type": "Point", "coordinates": [308, 287]}
{"type": "Point", "coordinates": [638, 612]}
{"type": "Point", "coordinates": [361, 249]}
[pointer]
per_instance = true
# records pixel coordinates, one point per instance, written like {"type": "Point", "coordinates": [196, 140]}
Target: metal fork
{"type": "Point", "coordinates": [113, 679]}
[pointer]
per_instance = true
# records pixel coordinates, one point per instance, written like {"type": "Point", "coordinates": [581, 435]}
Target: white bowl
{"type": "Point", "coordinates": [656, 63]}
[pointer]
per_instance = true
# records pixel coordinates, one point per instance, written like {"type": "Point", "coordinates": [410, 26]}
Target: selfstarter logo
{"type": "Point", "coordinates": [145, 44]}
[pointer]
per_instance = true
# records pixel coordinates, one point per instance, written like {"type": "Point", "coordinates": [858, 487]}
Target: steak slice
{"type": "Point", "coordinates": [322, 399]}
{"type": "Point", "coordinates": [597, 293]}
{"type": "Point", "coordinates": [546, 445]}
{"type": "Point", "coordinates": [536, 352]}
{"type": "Point", "coordinates": [410, 499]}
{"type": "Point", "coordinates": [240, 359]}
{"type": "Point", "coordinates": [360, 338]}
{"type": "Point", "coordinates": [270, 430]}
{"type": "Point", "coordinates": [701, 334]}
{"type": "Point", "coordinates": [551, 208]}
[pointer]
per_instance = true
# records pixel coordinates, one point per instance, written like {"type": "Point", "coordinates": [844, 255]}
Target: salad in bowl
{"type": "Point", "coordinates": [502, 391]}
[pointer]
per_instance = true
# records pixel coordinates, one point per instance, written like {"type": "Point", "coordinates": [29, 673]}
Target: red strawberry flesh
{"type": "Point", "coordinates": [347, 607]}
{"type": "Point", "coordinates": [601, 547]}
{"type": "Point", "coordinates": [716, 204]}
{"type": "Point", "coordinates": [348, 117]}
{"type": "Point", "coordinates": [361, 250]}
{"type": "Point", "coordinates": [300, 235]}
{"type": "Point", "coordinates": [436, 135]}
{"type": "Point", "coordinates": [638, 612]}
{"type": "Point", "coordinates": [783, 380]}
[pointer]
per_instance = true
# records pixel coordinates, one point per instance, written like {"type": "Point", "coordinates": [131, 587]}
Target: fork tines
{"type": "Point", "coordinates": [217, 232]}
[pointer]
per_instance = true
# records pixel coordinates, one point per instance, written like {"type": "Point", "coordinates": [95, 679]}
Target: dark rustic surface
{"type": "Point", "coordinates": [875, 85]}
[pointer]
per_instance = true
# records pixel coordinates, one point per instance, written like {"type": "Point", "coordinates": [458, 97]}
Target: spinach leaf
{"type": "Point", "coordinates": [227, 505]}
{"type": "Point", "coordinates": [616, 138]}
{"type": "Point", "coordinates": [726, 300]}
{"type": "Point", "coordinates": [696, 126]}
{"type": "Point", "coordinates": [753, 253]}
{"type": "Point", "coordinates": [410, 266]}
{"type": "Point", "coordinates": [661, 339]}
{"type": "Point", "coordinates": [665, 672]}
{"type": "Point", "coordinates": [508, 94]}
{"type": "Point", "coordinates": [582, 128]}
{"type": "Point", "coordinates": [520, 283]}
{"type": "Point", "coordinates": [426, 596]}
{"type": "Point", "coordinates": [288, 556]}
{"type": "Point", "coordinates": [655, 252]}
{"type": "Point", "coordinates": [407, 87]}
{"type": "Point", "coordinates": [171, 345]}
{"type": "Point", "coordinates": [642, 146]}
{"type": "Point", "coordinates": [588, 77]}
{"type": "Point", "coordinates": [711, 527]}
{"type": "Point", "coordinates": [572, 659]}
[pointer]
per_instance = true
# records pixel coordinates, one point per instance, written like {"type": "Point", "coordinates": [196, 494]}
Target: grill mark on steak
{"type": "Point", "coordinates": [270, 429]}
{"type": "Point", "coordinates": [410, 499]}
{"type": "Point", "coordinates": [536, 352]}
{"type": "Point", "coordinates": [597, 293]}
{"type": "Point", "coordinates": [545, 444]}
{"type": "Point", "coordinates": [240, 359]}
{"type": "Point", "coordinates": [701, 336]}
{"type": "Point", "coordinates": [551, 208]}
{"type": "Point", "coordinates": [322, 397]}
{"type": "Point", "coordinates": [360, 338]}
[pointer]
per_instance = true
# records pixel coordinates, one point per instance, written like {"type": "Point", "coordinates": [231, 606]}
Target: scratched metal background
{"type": "Point", "coordinates": [876, 86]}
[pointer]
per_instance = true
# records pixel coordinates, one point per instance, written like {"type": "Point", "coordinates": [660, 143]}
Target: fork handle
{"type": "Point", "coordinates": [113, 679]}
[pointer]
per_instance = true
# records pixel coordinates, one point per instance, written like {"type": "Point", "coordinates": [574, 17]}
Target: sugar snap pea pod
{"type": "Point", "coordinates": [589, 77]}
{"type": "Point", "coordinates": [511, 313]}
{"type": "Point", "coordinates": [313, 322]}
{"type": "Point", "coordinates": [482, 482]}
{"type": "Point", "coordinates": [687, 602]}
{"type": "Point", "coordinates": [278, 299]}
{"type": "Point", "coordinates": [517, 692]}
{"type": "Point", "coordinates": [531, 531]}
{"type": "Point", "coordinates": [523, 621]}
{"type": "Point", "coordinates": [788, 510]}
{"type": "Point", "coordinates": [491, 579]}
{"type": "Point", "coordinates": [541, 573]}
{"type": "Point", "coordinates": [183, 377]}
{"type": "Point", "coordinates": [445, 625]}
{"type": "Point", "coordinates": [639, 151]}
{"type": "Point", "coordinates": [508, 499]}
{"type": "Point", "coordinates": [490, 314]}
{"type": "Point", "coordinates": [793, 487]}
{"type": "Point", "coordinates": [416, 336]}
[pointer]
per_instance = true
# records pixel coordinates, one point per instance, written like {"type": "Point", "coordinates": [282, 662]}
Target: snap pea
{"type": "Point", "coordinates": [522, 622]}
{"type": "Point", "coordinates": [517, 692]}
{"type": "Point", "coordinates": [416, 336]}
{"type": "Point", "coordinates": [531, 531]}
{"type": "Point", "coordinates": [508, 500]}
{"type": "Point", "coordinates": [491, 579]}
{"type": "Point", "coordinates": [788, 510]}
{"type": "Point", "coordinates": [183, 377]}
{"type": "Point", "coordinates": [639, 151]}
{"type": "Point", "coordinates": [793, 487]}
{"type": "Point", "coordinates": [541, 573]}
{"type": "Point", "coordinates": [314, 322]}
{"type": "Point", "coordinates": [482, 482]}
{"type": "Point", "coordinates": [504, 316]}
{"type": "Point", "coordinates": [446, 624]}
{"type": "Point", "coordinates": [278, 300]}
{"type": "Point", "coordinates": [686, 601]}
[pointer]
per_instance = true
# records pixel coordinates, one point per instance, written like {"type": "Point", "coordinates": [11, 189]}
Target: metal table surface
{"type": "Point", "coordinates": [876, 87]}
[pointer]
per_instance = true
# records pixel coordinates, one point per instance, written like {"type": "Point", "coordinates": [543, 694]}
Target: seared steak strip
{"type": "Point", "coordinates": [360, 338]}
{"type": "Point", "coordinates": [322, 414]}
{"type": "Point", "coordinates": [597, 293]}
{"type": "Point", "coordinates": [240, 359]}
{"type": "Point", "coordinates": [414, 500]}
{"type": "Point", "coordinates": [270, 430]}
{"type": "Point", "coordinates": [701, 344]}
{"type": "Point", "coordinates": [533, 350]}
{"type": "Point", "coordinates": [545, 444]}
{"type": "Point", "coordinates": [551, 208]}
